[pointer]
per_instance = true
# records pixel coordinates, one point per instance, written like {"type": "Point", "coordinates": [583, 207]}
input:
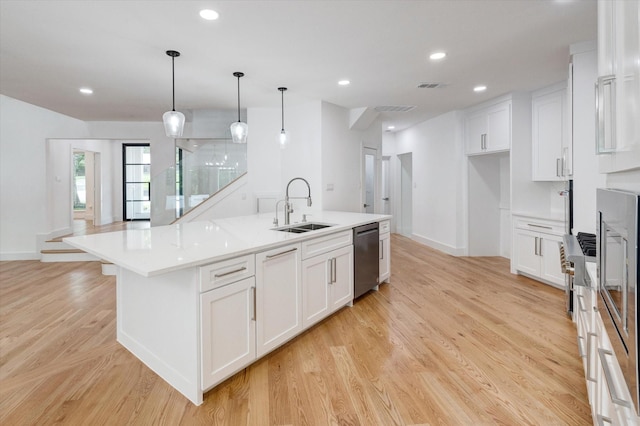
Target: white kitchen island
{"type": "Point", "coordinates": [197, 302]}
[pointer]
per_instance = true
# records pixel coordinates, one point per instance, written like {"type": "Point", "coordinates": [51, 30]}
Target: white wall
{"type": "Point", "coordinates": [341, 160]}
{"type": "Point", "coordinates": [24, 129]}
{"type": "Point", "coordinates": [438, 174]}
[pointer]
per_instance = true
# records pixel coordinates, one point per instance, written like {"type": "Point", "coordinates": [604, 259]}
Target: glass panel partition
{"type": "Point", "coordinates": [203, 167]}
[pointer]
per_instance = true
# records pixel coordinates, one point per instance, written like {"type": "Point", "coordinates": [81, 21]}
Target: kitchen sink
{"type": "Point", "coordinates": [299, 228]}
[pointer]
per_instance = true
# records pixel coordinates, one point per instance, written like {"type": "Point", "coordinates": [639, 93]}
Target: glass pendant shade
{"type": "Point", "coordinates": [239, 131]}
{"type": "Point", "coordinates": [173, 123]}
{"type": "Point", "coordinates": [284, 139]}
{"type": "Point", "coordinates": [173, 120]}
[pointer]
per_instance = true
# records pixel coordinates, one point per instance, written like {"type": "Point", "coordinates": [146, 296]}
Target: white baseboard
{"type": "Point", "coordinates": [454, 251]}
{"type": "Point", "coordinates": [25, 255]}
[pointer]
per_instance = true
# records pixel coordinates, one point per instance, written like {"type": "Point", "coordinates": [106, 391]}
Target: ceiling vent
{"type": "Point", "coordinates": [394, 108]}
{"type": "Point", "coordinates": [431, 85]}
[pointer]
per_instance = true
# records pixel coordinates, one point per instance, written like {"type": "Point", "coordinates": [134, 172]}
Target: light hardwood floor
{"type": "Point", "coordinates": [452, 341]}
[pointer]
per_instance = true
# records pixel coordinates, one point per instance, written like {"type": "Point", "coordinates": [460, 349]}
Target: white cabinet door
{"type": "Point", "coordinates": [278, 297]}
{"type": "Point", "coordinates": [342, 280]}
{"type": "Point", "coordinates": [316, 302]}
{"type": "Point", "coordinates": [385, 257]}
{"type": "Point", "coordinates": [327, 284]}
{"type": "Point", "coordinates": [228, 336]}
{"type": "Point", "coordinates": [475, 132]}
{"type": "Point", "coordinates": [498, 127]}
{"type": "Point", "coordinates": [548, 135]}
{"type": "Point", "coordinates": [526, 252]}
{"type": "Point", "coordinates": [549, 253]}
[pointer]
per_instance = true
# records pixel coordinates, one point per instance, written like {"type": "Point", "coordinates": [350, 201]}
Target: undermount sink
{"type": "Point", "coordinates": [302, 227]}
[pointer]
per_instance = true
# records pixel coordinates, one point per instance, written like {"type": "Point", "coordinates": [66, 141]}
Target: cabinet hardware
{"type": "Point", "coordinates": [602, 420]}
{"type": "Point", "coordinates": [589, 336]}
{"type": "Point", "coordinates": [580, 350]}
{"type": "Point", "coordinates": [613, 393]}
{"type": "Point", "coordinates": [539, 226]}
{"type": "Point", "coordinates": [334, 277]}
{"type": "Point", "coordinates": [382, 250]}
{"type": "Point", "coordinates": [224, 274]}
{"type": "Point", "coordinates": [253, 298]}
{"type": "Point", "coordinates": [580, 305]}
{"type": "Point", "coordinates": [606, 114]}
{"type": "Point", "coordinates": [558, 167]}
{"type": "Point", "coordinates": [535, 247]}
{"type": "Point", "coordinates": [330, 271]}
{"type": "Point", "coordinates": [271, 256]}
{"type": "Point", "coordinates": [540, 247]}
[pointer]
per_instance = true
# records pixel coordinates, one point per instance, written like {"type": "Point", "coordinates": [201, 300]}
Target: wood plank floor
{"type": "Point", "coordinates": [450, 341]}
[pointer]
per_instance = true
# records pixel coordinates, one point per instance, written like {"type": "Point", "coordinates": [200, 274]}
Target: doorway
{"type": "Point", "coordinates": [385, 191]}
{"type": "Point", "coordinates": [406, 194]}
{"type": "Point", "coordinates": [369, 179]}
{"type": "Point", "coordinates": [136, 173]}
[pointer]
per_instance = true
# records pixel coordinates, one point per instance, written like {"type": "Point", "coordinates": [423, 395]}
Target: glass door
{"type": "Point", "coordinates": [136, 159]}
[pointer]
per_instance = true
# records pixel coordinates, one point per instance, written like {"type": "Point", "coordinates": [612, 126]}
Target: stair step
{"type": "Point", "coordinates": [61, 251]}
{"type": "Point", "coordinates": [66, 255]}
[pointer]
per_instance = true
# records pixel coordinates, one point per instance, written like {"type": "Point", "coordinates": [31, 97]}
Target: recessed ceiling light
{"type": "Point", "coordinates": [391, 127]}
{"type": "Point", "coordinates": [437, 55]}
{"type": "Point", "coordinates": [86, 91]}
{"type": "Point", "coordinates": [344, 82]}
{"type": "Point", "coordinates": [209, 15]}
{"type": "Point", "coordinates": [480, 88]}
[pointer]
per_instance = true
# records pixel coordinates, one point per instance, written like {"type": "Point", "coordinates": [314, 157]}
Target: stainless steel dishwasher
{"type": "Point", "coordinates": [366, 258]}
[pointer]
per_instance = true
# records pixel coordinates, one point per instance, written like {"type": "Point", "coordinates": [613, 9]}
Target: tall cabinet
{"type": "Point", "coordinates": [618, 88]}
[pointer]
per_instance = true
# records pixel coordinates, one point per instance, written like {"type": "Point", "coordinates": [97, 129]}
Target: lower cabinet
{"type": "Point", "coordinates": [228, 332]}
{"type": "Point", "coordinates": [278, 297]}
{"type": "Point", "coordinates": [385, 252]}
{"type": "Point", "coordinates": [327, 284]}
{"type": "Point", "coordinates": [536, 251]}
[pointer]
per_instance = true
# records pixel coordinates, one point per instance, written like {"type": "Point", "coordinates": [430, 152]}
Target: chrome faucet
{"type": "Point", "coordinates": [288, 207]}
{"type": "Point", "coordinates": [275, 219]}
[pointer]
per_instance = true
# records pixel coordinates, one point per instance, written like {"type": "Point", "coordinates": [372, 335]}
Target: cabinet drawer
{"type": "Point", "coordinates": [385, 226]}
{"type": "Point", "coordinates": [226, 272]}
{"type": "Point", "coordinates": [327, 243]}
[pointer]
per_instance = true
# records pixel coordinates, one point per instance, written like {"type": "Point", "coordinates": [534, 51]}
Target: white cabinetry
{"type": "Point", "coordinates": [278, 297]}
{"type": "Point", "coordinates": [488, 128]}
{"type": "Point", "coordinates": [385, 251]}
{"type": "Point", "coordinates": [228, 330]}
{"type": "Point", "coordinates": [549, 126]}
{"type": "Point", "coordinates": [327, 277]}
{"type": "Point", "coordinates": [536, 249]}
{"type": "Point", "coordinates": [618, 94]}
{"type": "Point", "coordinates": [227, 312]}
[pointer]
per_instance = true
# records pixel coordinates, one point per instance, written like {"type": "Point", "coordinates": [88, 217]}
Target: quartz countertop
{"type": "Point", "coordinates": [157, 250]}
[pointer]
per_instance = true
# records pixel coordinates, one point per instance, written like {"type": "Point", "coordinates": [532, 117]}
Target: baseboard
{"type": "Point", "coordinates": [26, 255]}
{"type": "Point", "coordinates": [445, 248]}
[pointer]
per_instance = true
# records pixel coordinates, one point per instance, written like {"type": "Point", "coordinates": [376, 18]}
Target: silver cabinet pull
{"type": "Point", "coordinates": [334, 273]}
{"type": "Point", "coordinates": [535, 247]}
{"type": "Point", "coordinates": [608, 377]}
{"type": "Point", "coordinates": [329, 271]}
{"type": "Point", "coordinates": [580, 350]}
{"type": "Point", "coordinates": [253, 298]}
{"type": "Point", "coordinates": [558, 167]}
{"type": "Point", "coordinates": [589, 378]}
{"type": "Point", "coordinates": [224, 274]}
{"type": "Point", "coordinates": [271, 256]}
{"type": "Point", "coordinates": [540, 246]}
{"type": "Point", "coordinates": [539, 226]}
{"type": "Point", "coordinates": [602, 420]}
{"type": "Point", "coordinates": [580, 305]}
{"type": "Point", "coordinates": [382, 250]}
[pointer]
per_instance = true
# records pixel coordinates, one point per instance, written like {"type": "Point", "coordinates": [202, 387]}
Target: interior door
{"type": "Point", "coordinates": [369, 179]}
{"type": "Point", "coordinates": [385, 190]}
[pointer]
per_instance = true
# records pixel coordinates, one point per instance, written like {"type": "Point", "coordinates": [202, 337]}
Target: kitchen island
{"type": "Point", "coordinates": [197, 302]}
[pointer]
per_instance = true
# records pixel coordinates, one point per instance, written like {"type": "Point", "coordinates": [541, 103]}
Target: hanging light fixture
{"type": "Point", "coordinates": [239, 129]}
{"type": "Point", "coordinates": [284, 137]}
{"type": "Point", "coordinates": [173, 120]}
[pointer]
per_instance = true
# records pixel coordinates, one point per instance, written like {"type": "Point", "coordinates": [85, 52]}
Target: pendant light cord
{"type": "Point", "coordinates": [173, 81]}
{"type": "Point", "coordinates": [238, 99]}
{"type": "Point", "coordinates": [282, 93]}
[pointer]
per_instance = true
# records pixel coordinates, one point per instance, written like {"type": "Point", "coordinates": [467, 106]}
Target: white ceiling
{"type": "Point", "coordinates": [49, 49]}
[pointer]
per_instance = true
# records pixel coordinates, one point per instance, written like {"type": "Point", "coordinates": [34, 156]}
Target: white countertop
{"type": "Point", "coordinates": [162, 249]}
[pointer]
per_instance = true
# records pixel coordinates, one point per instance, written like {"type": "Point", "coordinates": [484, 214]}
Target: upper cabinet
{"type": "Point", "coordinates": [488, 128]}
{"type": "Point", "coordinates": [618, 86]}
{"type": "Point", "coordinates": [551, 148]}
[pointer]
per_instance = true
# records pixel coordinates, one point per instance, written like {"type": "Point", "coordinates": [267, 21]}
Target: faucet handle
{"type": "Point", "coordinates": [304, 216]}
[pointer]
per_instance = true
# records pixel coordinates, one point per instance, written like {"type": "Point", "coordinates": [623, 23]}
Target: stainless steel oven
{"type": "Point", "coordinates": [617, 253]}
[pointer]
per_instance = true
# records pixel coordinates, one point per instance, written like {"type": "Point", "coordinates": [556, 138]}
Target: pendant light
{"type": "Point", "coordinates": [173, 120]}
{"type": "Point", "coordinates": [239, 129]}
{"type": "Point", "coordinates": [284, 137]}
